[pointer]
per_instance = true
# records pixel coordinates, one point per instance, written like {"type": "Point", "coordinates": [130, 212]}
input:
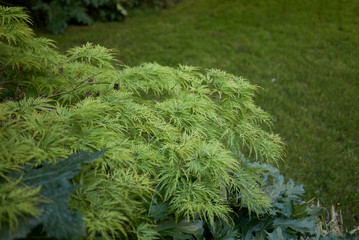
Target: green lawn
{"type": "Point", "coordinates": [304, 54]}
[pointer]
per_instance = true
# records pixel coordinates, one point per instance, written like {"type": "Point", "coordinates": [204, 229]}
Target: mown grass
{"type": "Point", "coordinates": [304, 54]}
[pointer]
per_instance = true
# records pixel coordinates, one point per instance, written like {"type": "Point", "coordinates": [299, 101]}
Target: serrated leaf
{"type": "Point", "coordinates": [158, 212]}
{"type": "Point", "coordinates": [303, 225]}
{"type": "Point", "coordinates": [316, 211]}
{"type": "Point", "coordinates": [257, 230]}
{"type": "Point", "coordinates": [294, 190]}
{"type": "Point", "coordinates": [60, 222]}
{"type": "Point", "coordinates": [300, 210]}
{"type": "Point", "coordinates": [224, 231]}
{"type": "Point", "coordinates": [180, 230]}
{"type": "Point", "coordinates": [57, 173]}
{"type": "Point", "coordinates": [277, 234]}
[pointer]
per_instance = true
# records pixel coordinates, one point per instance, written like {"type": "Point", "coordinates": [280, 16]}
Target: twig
{"type": "Point", "coordinates": [77, 85]}
{"type": "Point", "coordinates": [76, 88]}
{"type": "Point", "coordinates": [45, 108]}
{"type": "Point", "coordinates": [72, 85]}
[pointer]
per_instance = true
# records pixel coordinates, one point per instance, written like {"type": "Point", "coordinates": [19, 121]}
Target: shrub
{"type": "Point", "coordinates": [57, 14]}
{"type": "Point", "coordinates": [174, 142]}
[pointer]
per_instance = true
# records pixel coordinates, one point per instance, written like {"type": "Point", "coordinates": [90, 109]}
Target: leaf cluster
{"type": "Point", "coordinates": [288, 218]}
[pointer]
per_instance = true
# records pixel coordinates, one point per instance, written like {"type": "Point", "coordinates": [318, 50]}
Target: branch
{"type": "Point", "coordinates": [76, 88]}
{"type": "Point", "coordinates": [88, 81]}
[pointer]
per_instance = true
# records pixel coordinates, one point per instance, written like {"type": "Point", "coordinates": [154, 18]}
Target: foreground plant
{"type": "Point", "coordinates": [173, 139]}
{"type": "Point", "coordinates": [51, 181]}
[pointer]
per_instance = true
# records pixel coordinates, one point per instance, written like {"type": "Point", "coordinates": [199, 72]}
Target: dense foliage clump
{"type": "Point", "coordinates": [174, 142]}
{"type": "Point", "coordinates": [56, 15]}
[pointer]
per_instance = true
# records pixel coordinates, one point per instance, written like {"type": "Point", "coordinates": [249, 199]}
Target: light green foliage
{"type": "Point", "coordinates": [146, 231]}
{"type": "Point", "coordinates": [15, 31]}
{"type": "Point", "coordinates": [95, 55]}
{"type": "Point", "coordinates": [16, 201]}
{"type": "Point", "coordinates": [171, 135]}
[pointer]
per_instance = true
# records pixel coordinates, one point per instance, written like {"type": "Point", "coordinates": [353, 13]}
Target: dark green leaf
{"type": "Point", "coordinates": [181, 230]}
{"type": "Point", "coordinates": [24, 227]}
{"type": "Point", "coordinates": [158, 212]}
{"type": "Point", "coordinates": [50, 175]}
{"type": "Point", "coordinates": [303, 225]}
{"type": "Point", "coordinates": [277, 234]}
{"type": "Point", "coordinates": [257, 228]}
{"type": "Point", "coordinates": [224, 231]}
{"type": "Point", "coordinates": [59, 221]}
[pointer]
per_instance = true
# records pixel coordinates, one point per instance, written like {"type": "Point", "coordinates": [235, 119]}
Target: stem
{"type": "Point", "coordinates": [73, 87]}
{"type": "Point", "coordinates": [76, 88]}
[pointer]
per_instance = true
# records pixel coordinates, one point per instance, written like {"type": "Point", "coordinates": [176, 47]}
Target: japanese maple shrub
{"type": "Point", "coordinates": [172, 137]}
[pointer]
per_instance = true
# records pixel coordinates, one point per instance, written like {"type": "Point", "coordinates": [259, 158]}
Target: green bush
{"type": "Point", "coordinates": [174, 141]}
{"type": "Point", "coordinates": [57, 14]}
